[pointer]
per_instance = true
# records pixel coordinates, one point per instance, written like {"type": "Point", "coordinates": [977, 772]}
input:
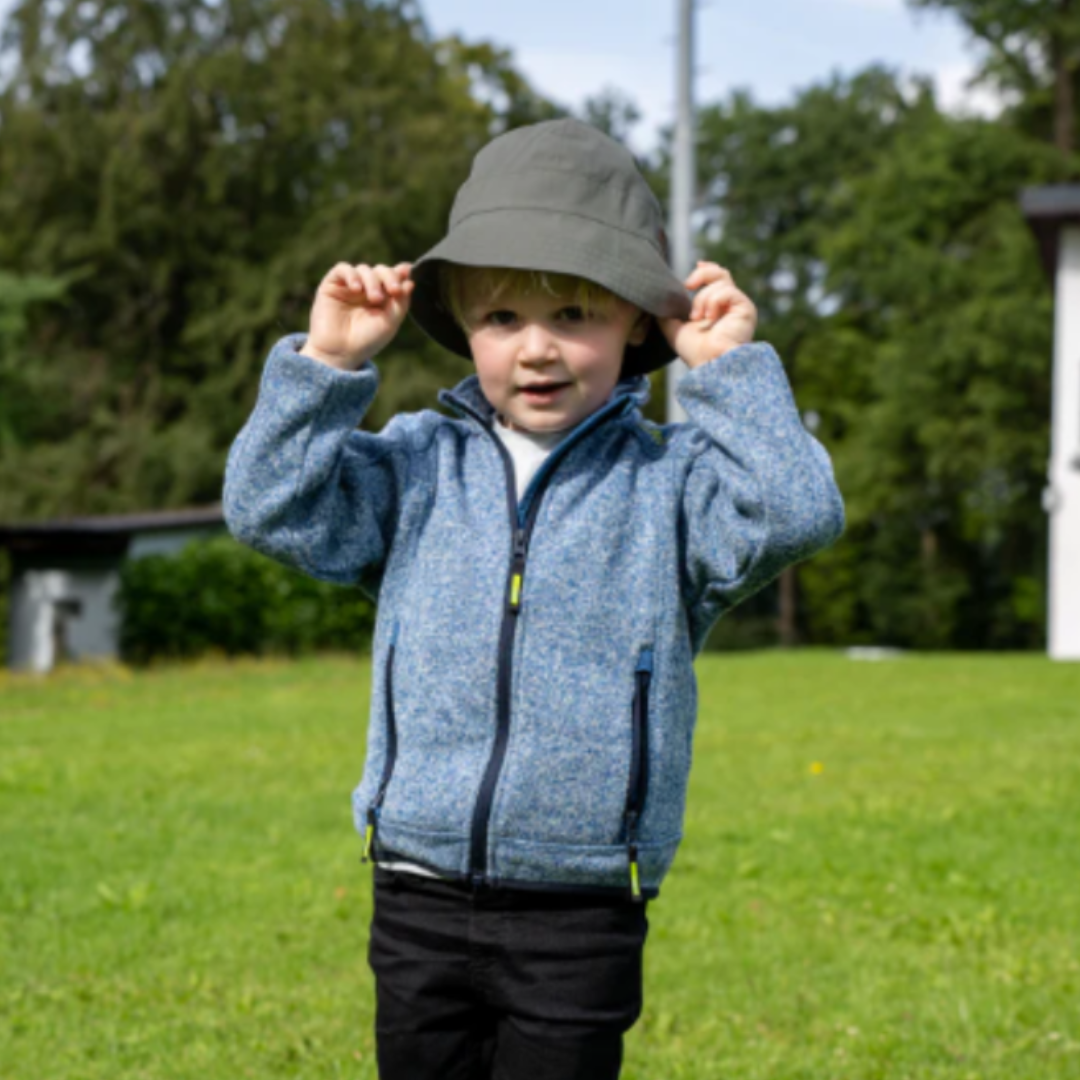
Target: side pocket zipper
{"type": "Point", "coordinates": [391, 752]}
{"type": "Point", "coordinates": [639, 765]}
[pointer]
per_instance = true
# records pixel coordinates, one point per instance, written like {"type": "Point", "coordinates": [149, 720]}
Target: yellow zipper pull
{"type": "Point", "coordinates": [517, 571]}
{"type": "Point", "coordinates": [369, 836]}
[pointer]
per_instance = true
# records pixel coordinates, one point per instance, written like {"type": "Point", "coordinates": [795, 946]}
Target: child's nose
{"type": "Point", "coordinates": [537, 344]}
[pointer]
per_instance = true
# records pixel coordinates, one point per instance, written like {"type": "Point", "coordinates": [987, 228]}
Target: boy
{"type": "Point", "coordinates": [547, 564]}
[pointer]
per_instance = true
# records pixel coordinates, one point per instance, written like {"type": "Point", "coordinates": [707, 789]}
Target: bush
{"type": "Point", "coordinates": [218, 595]}
{"type": "Point", "coordinates": [5, 603]}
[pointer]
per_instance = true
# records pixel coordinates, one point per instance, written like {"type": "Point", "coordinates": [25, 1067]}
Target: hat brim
{"type": "Point", "coordinates": [547, 240]}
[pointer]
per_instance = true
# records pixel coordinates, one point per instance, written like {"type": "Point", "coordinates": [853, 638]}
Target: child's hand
{"type": "Point", "coordinates": [357, 311]}
{"type": "Point", "coordinates": [721, 317]}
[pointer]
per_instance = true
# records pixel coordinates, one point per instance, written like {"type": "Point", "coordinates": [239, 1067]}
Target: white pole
{"type": "Point", "coordinates": [1063, 500]}
{"type": "Point", "coordinates": [682, 183]}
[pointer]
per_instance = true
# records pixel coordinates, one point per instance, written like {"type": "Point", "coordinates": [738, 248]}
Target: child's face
{"type": "Point", "coordinates": [544, 362]}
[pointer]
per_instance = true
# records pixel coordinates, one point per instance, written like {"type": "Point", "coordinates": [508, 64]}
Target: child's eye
{"type": "Point", "coordinates": [501, 317]}
{"type": "Point", "coordinates": [573, 313]}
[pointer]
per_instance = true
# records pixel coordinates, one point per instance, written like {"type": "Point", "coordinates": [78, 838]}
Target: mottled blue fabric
{"type": "Point", "coordinates": [644, 536]}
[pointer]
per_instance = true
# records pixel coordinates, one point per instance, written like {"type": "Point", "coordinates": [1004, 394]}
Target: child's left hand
{"type": "Point", "coordinates": [721, 318]}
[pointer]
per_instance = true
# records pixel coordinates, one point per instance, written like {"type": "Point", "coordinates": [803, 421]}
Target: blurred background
{"type": "Point", "coordinates": [176, 177]}
{"type": "Point", "coordinates": [878, 879]}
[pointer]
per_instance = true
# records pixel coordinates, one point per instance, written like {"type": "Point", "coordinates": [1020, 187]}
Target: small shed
{"type": "Point", "coordinates": [65, 575]}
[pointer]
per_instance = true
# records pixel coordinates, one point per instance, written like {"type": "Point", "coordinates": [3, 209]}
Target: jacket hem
{"type": "Point", "coordinates": [531, 864]}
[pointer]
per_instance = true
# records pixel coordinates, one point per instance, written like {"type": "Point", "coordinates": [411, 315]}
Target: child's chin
{"type": "Point", "coordinates": [543, 423]}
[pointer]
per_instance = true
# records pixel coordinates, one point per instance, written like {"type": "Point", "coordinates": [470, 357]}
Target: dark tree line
{"type": "Point", "coordinates": [175, 177]}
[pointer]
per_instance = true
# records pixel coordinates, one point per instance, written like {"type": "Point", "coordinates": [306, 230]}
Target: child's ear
{"type": "Point", "coordinates": [640, 330]}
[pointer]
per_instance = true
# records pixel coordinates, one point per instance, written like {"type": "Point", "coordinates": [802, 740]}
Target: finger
{"type": "Point", "coordinates": [706, 274]}
{"type": "Point", "coordinates": [356, 281]}
{"type": "Point", "coordinates": [403, 270]}
{"type": "Point", "coordinates": [340, 274]}
{"type": "Point", "coordinates": [710, 300]}
{"type": "Point", "coordinates": [389, 279]}
{"type": "Point", "coordinates": [370, 281]}
{"type": "Point", "coordinates": [702, 274]}
{"type": "Point", "coordinates": [399, 305]}
{"type": "Point", "coordinates": [721, 302]}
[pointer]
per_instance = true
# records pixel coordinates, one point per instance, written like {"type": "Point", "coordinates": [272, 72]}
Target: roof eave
{"type": "Point", "coordinates": [1049, 209]}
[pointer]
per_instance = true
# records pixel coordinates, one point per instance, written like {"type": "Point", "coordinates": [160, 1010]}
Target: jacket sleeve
{"type": "Point", "coordinates": [302, 484]}
{"type": "Point", "coordinates": [759, 494]}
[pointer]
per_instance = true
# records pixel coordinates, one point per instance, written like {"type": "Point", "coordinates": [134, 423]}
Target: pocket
{"type": "Point", "coordinates": [391, 750]}
{"type": "Point", "coordinates": [637, 788]}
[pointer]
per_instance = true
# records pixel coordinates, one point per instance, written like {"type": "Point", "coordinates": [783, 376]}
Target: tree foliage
{"type": "Point", "coordinates": [943, 447]}
{"type": "Point", "coordinates": [1031, 51]}
{"type": "Point", "coordinates": [176, 177]}
{"type": "Point", "coordinates": [191, 170]}
{"type": "Point", "coordinates": [883, 245]}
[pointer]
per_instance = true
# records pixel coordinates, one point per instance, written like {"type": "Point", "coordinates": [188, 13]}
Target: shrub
{"type": "Point", "coordinates": [5, 603]}
{"type": "Point", "coordinates": [218, 595]}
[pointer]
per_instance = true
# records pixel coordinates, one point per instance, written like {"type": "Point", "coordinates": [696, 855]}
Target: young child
{"type": "Point", "coordinates": [547, 564]}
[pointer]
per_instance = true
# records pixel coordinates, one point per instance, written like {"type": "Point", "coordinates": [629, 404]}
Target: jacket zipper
{"type": "Point", "coordinates": [507, 633]}
{"type": "Point", "coordinates": [522, 519]}
{"type": "Point", "coordinates": [390, 756]}
{"type": "Point", "coordinates": [638, 785]}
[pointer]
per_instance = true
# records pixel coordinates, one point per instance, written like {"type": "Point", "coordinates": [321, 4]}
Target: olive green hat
{"type": "Point", "coordinates": [562, 197]}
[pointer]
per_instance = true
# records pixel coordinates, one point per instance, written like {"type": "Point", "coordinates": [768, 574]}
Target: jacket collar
{"type": "Point", "coordinates": [468, 400]}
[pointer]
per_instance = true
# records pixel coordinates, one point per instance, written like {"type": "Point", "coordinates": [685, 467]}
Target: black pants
{"type": "Point", "coordinates": [501, 984]}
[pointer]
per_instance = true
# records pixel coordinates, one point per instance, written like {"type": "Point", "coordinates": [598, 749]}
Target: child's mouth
{"type": "Point", "coordinates": [539, 395]}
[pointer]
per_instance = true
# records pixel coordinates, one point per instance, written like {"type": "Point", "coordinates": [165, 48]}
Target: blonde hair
{"type": "Point", "coordinates": [458, 283]}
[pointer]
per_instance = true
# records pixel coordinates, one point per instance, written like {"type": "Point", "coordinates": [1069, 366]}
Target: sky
{"type": "Point", "coordinates": [572, 49]}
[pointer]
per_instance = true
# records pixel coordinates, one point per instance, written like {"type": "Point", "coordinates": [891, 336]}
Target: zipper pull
{"type": "Point", "coordinates": [517, 571]}
{"type": "Point", "coordinates": [369, 835]}
{"type": "Point", "coordinates": [635, 883]}
{"type": "Point", "coordinates": [632, 854]}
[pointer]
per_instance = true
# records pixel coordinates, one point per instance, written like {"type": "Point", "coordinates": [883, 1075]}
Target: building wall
{"type": "Point", "coordinates": [56, 612]}
{"type": "Point", "coordinates": [67, 608]}
{"type": "Point", "coordinates": [1064, 495]}
{"type": "Point", "coordinates": [169, 541]}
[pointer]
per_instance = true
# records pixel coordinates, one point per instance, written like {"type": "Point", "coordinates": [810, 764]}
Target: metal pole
{"type": "Point", "coordinates": [681, 226]}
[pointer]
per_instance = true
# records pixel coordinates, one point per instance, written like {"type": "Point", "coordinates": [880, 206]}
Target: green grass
{"type": "Point", "coordinates": [880, 876]}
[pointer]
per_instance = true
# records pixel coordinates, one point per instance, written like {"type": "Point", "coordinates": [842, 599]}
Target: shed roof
{"type": "Point", "coordinates": [105, 534]}
{"type": "Point", "coordinates": [1047, 209]}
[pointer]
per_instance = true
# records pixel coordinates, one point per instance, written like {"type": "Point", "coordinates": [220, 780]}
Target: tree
{"type": "Point", "coordinates": [613, 112]}
{"type": "Point", "coordinates": [25, 390]}
{"type": "Point", "coordinates": [769, 179]}
{"type": "Point", "coordinates": [942, 441]}
{"type": "Point", "coordinates": [191, 170]}
{"type": "Point", "coordinates": [1032, 49]}
{"type": "Point", "coordinates": [883, 245]}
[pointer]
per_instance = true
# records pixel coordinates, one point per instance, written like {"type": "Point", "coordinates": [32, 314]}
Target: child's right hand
{"type": "Point", "coordinates": [357, 311]}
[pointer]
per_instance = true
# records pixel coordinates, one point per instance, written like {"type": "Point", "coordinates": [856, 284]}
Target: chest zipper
{"type": "Point", "coordinates": [521, 528]}
{"type": "Point", "coordinates": [638, 784]}
{"type": "Point", "coordinates": [391, 754]}
{"type": "Point", "coordinates": [507, 633]}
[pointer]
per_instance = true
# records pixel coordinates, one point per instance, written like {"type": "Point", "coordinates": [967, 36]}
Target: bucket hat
{"type": "Point", "coordinates": [559, 196]}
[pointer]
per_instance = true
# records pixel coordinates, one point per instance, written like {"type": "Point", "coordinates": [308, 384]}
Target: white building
{"type": "Point", "coordinates": [65, 574]}
{"type": "Point", "coordinates": [1054, 215]}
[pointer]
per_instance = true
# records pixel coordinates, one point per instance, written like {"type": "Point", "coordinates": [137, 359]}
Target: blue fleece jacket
{"type": "Point", "coordinates": [533, 692]}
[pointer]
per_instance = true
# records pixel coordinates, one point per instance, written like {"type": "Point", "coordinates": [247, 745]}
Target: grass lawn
{"type": "Point", "coordinates": [880, 876]}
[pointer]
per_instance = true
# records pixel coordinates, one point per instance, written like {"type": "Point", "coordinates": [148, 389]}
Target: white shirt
{"type": "Point", "coordinates": [528, 450]}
